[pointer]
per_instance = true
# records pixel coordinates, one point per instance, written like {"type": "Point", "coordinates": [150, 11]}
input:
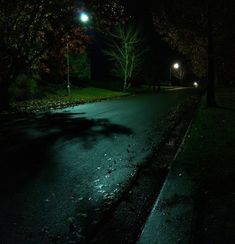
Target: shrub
{"type": "Point", "coordinates": [80, 70]}
{"type": "Point", "coordinates": [24, 87]}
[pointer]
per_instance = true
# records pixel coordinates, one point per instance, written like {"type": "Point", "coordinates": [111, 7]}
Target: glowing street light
{"type": "Point", "coordinates": [176, 65]}
{"type": "Point", "coordinates": [84, 17]}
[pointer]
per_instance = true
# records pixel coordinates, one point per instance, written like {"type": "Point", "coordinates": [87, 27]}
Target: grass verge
{"type": "Point", "coordinates": [59, 99]}
{"type": "Point", "coordinates": [208, 159]}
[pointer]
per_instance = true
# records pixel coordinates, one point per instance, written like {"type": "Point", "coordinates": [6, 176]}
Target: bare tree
{"type": "Point", "coordinates": [126, 53]}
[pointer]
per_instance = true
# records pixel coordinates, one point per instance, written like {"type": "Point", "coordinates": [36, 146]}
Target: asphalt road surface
{"type": "Point", "coordinates": [58, 169]}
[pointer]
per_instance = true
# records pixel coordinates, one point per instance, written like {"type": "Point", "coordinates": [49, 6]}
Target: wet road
{"type": "Point", "coordinates": [60, 168]}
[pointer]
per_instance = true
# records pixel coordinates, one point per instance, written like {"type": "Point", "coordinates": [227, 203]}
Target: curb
{"type": "Point", "coordinates": [171, 217]}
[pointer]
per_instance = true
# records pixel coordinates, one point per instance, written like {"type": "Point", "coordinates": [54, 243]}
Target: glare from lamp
{"type": "Point", "coordinates": [84, 17]}
{"type": "Point", "coordinates": [176, 66]}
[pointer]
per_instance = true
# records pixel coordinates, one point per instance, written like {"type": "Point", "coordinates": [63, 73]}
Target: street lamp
{"type": "Point", "coordinates": [175, 66]}
{"type": "Point", "coordinates": [84, 18]}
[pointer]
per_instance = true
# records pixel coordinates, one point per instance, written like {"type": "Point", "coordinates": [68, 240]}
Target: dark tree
{"type": "Point", "coordinates": [30, 31]}
{"type": "Point", "coordinates": [199, 30]}
{"type": "Point", "coordinates": [211, 101]}
{"type": "Point", "coordinates": [34, 34]}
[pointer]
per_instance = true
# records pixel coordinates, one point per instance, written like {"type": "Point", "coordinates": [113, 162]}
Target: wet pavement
{"type": "Point", "coordinates": [60, 170]}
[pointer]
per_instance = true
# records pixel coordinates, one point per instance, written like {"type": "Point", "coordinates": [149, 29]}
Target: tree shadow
{"type": "Point", "coordinates": [26, 147]}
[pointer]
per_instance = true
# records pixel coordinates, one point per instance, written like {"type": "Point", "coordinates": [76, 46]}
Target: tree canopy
{"type": "Point", "coordinates": [203, 32]}
{"type": "Point", "coordinates": [184, 25]}
{"type": "Point", "coordinates": [35, 34]}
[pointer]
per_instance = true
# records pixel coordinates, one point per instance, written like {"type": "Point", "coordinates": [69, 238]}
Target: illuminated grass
{"type": "Point", "coordinates": [59, 99]}
{"type": "Point", "coordinates": [209, 148]}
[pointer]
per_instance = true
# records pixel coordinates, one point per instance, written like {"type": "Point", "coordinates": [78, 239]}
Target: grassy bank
{"type": "Point", "coordinates": [54, 97]}
{"type": "Point", "coordinates": [58, 98]}
{"type": "Point", "coordinates": [208, 159]}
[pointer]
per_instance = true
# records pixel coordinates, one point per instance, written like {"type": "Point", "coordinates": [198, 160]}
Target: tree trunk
{"type": "Point", "coordinates": [211, 101]}
{"type": "Point", "coordinates": [124, 85]}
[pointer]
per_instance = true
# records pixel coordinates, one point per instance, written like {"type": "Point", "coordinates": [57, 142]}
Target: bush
{"type": "Point", "coordinates": [24, 87]}
{"type": "Point", "coordinates": [80, 70]}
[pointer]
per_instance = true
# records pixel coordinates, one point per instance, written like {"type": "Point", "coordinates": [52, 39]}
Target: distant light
{"type": "Point", "coordinates": [84, 17]}
{"type": "Point", "coordinates": [195, 84]}
{"type": "Point", "coordinates": [176, 66]}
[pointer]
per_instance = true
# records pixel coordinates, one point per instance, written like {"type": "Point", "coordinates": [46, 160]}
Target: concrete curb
{"type": "Point", "coordinates": [170, 220]}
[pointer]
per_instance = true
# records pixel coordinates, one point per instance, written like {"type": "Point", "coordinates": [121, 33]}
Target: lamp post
{"type": "Point", "coordinates": [68, 71]}
{"type": "Point", "coordinates": [84, 18]}
{"type": "Point", "coordinates": [174, 66]}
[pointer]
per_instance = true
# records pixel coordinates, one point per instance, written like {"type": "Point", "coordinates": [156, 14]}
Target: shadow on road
{"type": "Point", "coordinates": [26, 146]}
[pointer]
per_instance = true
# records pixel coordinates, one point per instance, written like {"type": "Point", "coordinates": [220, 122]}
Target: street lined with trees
{"type": "Point", "coordinates": [36, 35]}
{"type": "Point", "coordinates": [76, 168]}
{"type": "Point", "coordinates": [201, 31]}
